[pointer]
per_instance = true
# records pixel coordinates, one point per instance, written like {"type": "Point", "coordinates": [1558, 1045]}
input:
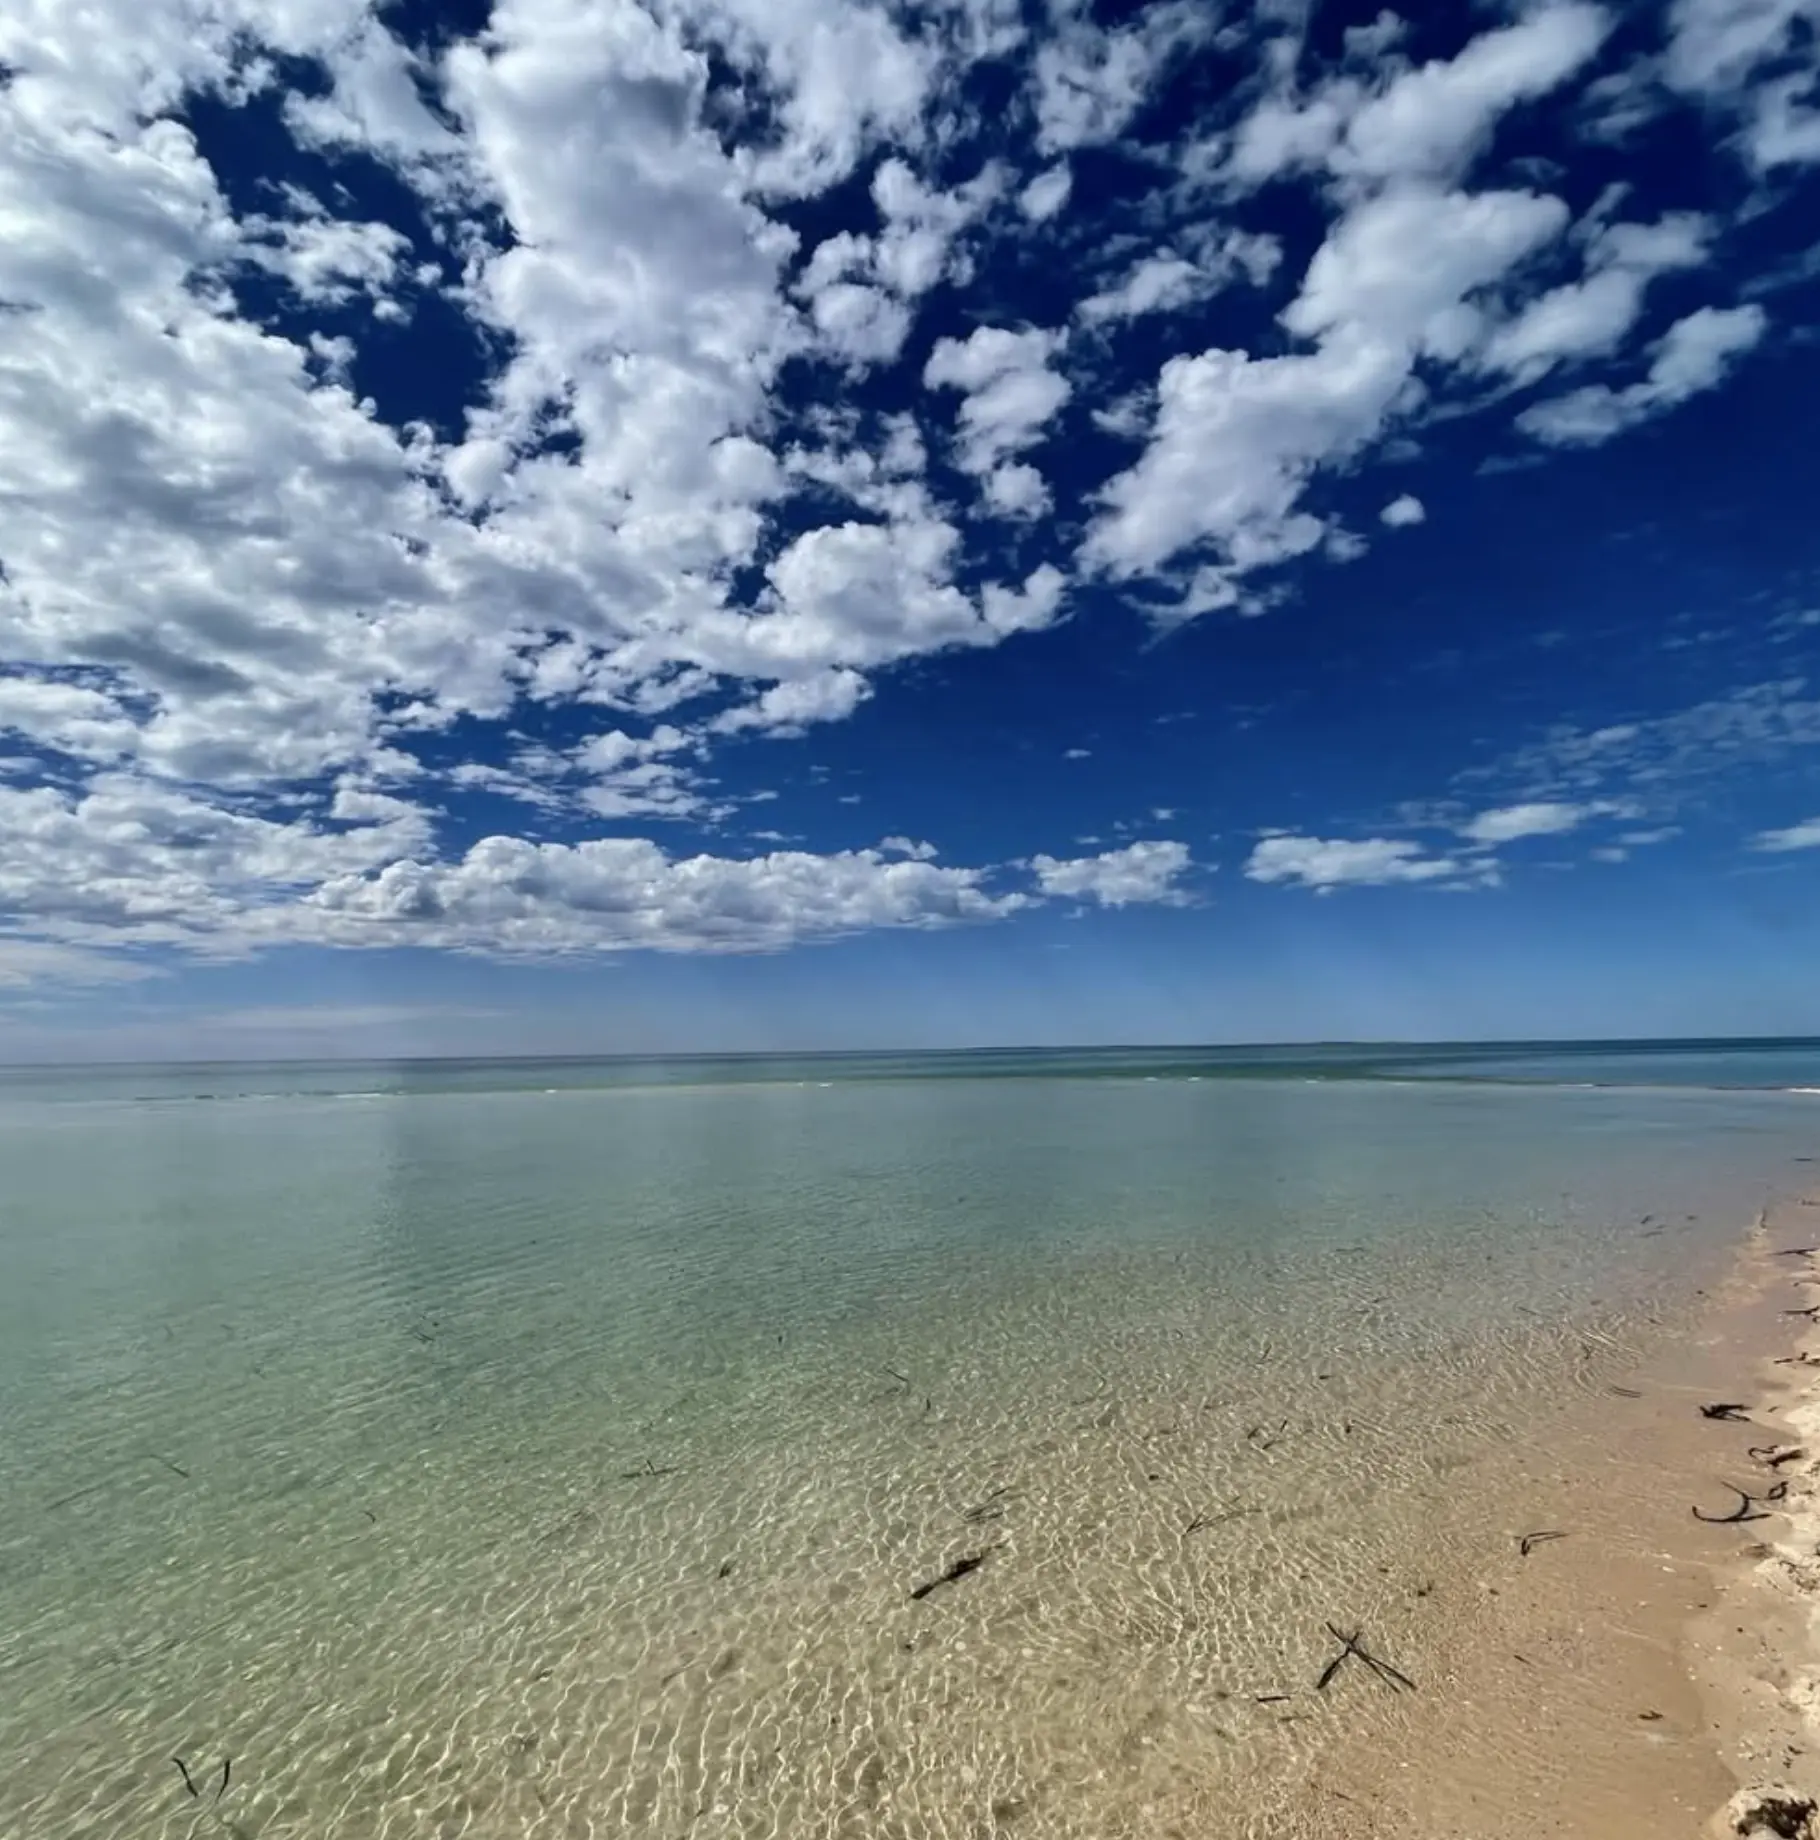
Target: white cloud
{"type": "Point", "coordinates": [1694, 355]}
{"type": "Point", "coordinates": [789, 708]}
{"type": "Point", "coordinates": [1803, 836]}
{"type": "Point", "coordinates": [1427, 122]}
{"type": "Point", "coordinates": [1010, 392]}
{"type": "Point", "coordinates": [1090, 82]}
{"type": "Point", "coordinates": [1759, 60]}
{"type": "Point", "coordinates": [865, 325]}
{"type": "Point", "coordinates": [1591, 317]}
{"type": "Point", "coordinates": [1432, 120]}
{"type": "Point", "coordinates": [1237, 439]}
{"type": "Point", "coordinates": [1324, 863]}
{"type": "Point", "coordinates": [1077, 753]}
{"type": "Point", "coordinates": [861, 290]}
{"type": "Point", "coordinates": [1164, 282]}
{"type": "Point", "coordinates": [1540, 818]}
{"type": "Point", "coordinates": [510, 895]}
{"type": "Point", "coordinates": [1046, 194]}
{"type": "Point", "coordinates": [1015, 489]}
{"type": "Point", "coordinates": [1403, 511]}
{"type": "Point", "coordinates": [1157, 284]}
{"type": "Point", "coordinates": [1283, 136]}
{"type": "Point", "coordinates": [847, 76]}
{"type": "Point", "coordinates": [1141, 873]}
{"type": "Point", "coordinates": [1402, 266]}
{"type": "Point", "coordinates": [239, 600]}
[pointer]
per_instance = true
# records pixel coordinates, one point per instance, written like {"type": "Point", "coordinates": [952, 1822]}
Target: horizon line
{"type": "Point", "coordinates": [1578, 1042]}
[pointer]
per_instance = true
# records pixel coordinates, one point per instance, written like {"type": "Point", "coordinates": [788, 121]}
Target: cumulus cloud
{"type": "Point", "coordinates": [1433, 119]}
{"type": "Point", "coordinates": [1402, 511]}
{"type": "Point", "coordinates": [1326, 863]}
{"type": "Point", "coordinates": [276, 629]}
{"type": "Point", "coordinates": [1591, 317]}
{"type": "Point", "coordinates": [1236, 439]}
{"type": "Point", "coordinates": [1422, 122]}
{"type": "Point", "coordinates": [1010, 393]}
{"type": "Point", "coordinates": [620, 894]}
{"type": "Point", "coordinates": [862, 290]}
{"type": "Point", "coordinates": [1046, 194]}
{"type": "Point", "coordinates": [1694, 355]}
{"type": "Point", "coordinates": [1146, 873]}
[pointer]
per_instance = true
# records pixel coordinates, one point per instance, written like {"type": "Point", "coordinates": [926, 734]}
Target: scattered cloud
{"type": "Point", "coordinates": [1665, 760]}
{"type": "Point", "coordinates": [292, 622]}
{"type": "Point", "coordinates": [1326, 863]}
{"type": "Point", "coordinates": [1508, 823]}
{"type": "Point", "coordinates": [510, 895]}
{"type": "Point", "coordinates": [1046, 194]}
{"type": "Point", "coordinates": [1422, 122]}
{"type": "Point", "coordinates": [1237, 439]}
{"type": "Point", "coordinates": [1692, 356]}
{"type": "Point", "coordinates": [1091, 81]}
{"type": "Point", "coordinates": [1010, 393]}
{"type": "Point", "coordinates": [1141, 874]}
{"type": "Point", "coordinates": [1166, 281]}
{"type": "Point", "coordinates": [1757, 62]}
{"type": "Point", "coordinates": [1591, 317]}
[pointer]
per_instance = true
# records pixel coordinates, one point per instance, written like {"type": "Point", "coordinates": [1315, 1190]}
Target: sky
{"type": "Point", "coordinates": [586, 526]}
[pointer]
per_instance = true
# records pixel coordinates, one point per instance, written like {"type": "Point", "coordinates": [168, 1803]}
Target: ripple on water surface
{"type": "Point", "coordinates": [509, 1464]}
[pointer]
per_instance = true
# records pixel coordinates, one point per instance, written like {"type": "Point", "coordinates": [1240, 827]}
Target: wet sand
{"type": "Point", "coordinates": [1647, 1674]}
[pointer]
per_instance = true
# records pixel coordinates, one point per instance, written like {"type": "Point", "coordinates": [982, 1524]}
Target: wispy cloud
{"type": "Point", "coordinates": [1802, 836]}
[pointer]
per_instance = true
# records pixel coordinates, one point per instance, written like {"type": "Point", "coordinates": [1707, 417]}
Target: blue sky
{"type": "Point", "coordinates": [586, 526]}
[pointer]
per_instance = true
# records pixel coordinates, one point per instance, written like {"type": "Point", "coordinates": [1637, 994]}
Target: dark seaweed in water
{"type": "Point", "coordinates": [959, 1569]}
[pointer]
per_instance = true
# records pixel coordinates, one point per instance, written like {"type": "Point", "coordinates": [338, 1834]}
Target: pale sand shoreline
{"type": "Point", "coordinates": [1650, 1674]}
{"type": "Point", "coordinates": [1757, 1651]}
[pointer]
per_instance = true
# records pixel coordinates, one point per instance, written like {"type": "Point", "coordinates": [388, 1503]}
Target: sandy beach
{"type": "Point", "coordinates": [1757, 1651]}
{"type": "Point", "coordinates": [1639, 1655]}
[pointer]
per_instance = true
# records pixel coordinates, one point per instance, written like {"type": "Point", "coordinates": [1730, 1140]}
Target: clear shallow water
{"type": "Point", "coordinates": [504, 1461]}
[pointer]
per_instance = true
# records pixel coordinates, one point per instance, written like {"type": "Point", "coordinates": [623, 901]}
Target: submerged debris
{"type": "Point", "coordinates": [647, 1469]}
{"type": "Point", "coordinates": [971, 1562]}
{"type": "Point", "coordinates": [1352, 1648]}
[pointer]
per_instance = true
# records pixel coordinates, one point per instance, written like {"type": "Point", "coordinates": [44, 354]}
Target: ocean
{"type": "Point", "coordinates": [897, 1445]}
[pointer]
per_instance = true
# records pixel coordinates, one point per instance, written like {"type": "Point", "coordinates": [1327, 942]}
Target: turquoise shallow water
{"type": "Point", "coordinates": [551, 1452]}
